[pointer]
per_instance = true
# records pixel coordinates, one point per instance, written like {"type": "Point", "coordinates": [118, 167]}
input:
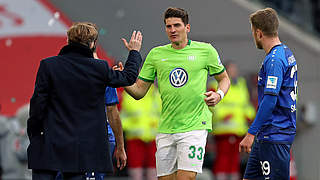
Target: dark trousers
{"type": "Point", "coordinates": [51, 175]}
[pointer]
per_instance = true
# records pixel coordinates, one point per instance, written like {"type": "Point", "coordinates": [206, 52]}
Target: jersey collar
{"type": "Point", "coordinates": [274, 47]}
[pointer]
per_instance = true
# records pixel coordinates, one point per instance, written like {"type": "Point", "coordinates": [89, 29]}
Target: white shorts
{"type": "Point", "coordinates": [184, 151]}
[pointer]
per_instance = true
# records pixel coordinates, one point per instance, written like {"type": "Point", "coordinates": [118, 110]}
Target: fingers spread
{"type": "Point", "coordinates": [125, 42]}
{"type": "Point", "coordinates": [133, 36]}
{"type": "Point", "coordinates": [140, 38]}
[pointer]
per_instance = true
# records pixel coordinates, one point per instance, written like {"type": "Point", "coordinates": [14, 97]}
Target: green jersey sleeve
{"type": "Point", "coordinates": [148, 71]}
{"type": "Point", "coordinates": [214, 64]}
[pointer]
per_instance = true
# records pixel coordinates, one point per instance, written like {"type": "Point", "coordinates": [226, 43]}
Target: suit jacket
{"type": "Point", "coordinates": [67, 124]}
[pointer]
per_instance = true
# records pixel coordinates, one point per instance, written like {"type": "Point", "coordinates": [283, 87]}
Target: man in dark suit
{"type": "Point", "coordinates": [67, 124]}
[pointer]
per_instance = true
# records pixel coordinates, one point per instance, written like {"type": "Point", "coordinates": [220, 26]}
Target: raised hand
{"type": "Point", "coordinates": [135, 41]}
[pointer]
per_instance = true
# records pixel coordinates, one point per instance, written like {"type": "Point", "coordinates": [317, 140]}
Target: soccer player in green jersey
{"type": "Point", "coordinates": [181, 69]}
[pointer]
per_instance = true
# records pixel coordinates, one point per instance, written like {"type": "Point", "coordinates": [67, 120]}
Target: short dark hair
{"type": "Point", "coordinates": [178, 13]}
{"type": "Point", "coordinates": [83, 32]}
{"type": "Point", "coordinates": [266, 20]}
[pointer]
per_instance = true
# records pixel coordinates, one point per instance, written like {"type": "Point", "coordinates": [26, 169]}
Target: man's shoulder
{"type": "Point", "coordinates": [50, 60]}
{"type": "Point", "coordinates": [160, 48]}
{"type": "Point", "coordinates": [98, 61]}
{"type": "Point", "coordinates": [159, 51]}
{"type": "Point", "coordinates": [75, 60]}
{"type": "Point", "coordinates": [200, 44]}
{"type": "Point", "coordinates": [277, 59]}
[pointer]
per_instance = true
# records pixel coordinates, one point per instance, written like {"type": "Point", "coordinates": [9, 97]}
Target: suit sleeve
{"type": "Point", "coordinates": [38, 102]}
{"type": "Point", "coordinates": [129, 74]}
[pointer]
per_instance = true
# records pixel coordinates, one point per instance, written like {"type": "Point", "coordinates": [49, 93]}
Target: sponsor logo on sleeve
{"type": "Point", "coordinates": [272, 82]}
{"type": "Point", "coordinates": [291, 59]}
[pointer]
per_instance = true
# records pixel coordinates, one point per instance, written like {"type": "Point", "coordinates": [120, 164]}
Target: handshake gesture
{"type": "Point", "coordinates": [135, 41]}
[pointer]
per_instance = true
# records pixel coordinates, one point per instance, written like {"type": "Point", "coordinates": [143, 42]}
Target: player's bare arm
{"type": "Point", "coordinates": [116, 126]}
{"type": "Point", "coordinates": [214, 98]}
{"type": "Point", "coordinates": [139, 89]}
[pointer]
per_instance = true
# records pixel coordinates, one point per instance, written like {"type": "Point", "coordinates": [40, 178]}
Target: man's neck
{"type": "Point", "coordinates": [270, 42]}
{"type": "Point", "coordinates": [180, 45]}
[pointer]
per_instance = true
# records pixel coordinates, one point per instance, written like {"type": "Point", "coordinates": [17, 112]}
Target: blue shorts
{"type": "Point", "coordinates": [268, 161]}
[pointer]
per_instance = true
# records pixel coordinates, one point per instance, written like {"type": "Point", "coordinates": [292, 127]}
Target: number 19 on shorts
{"type": "Point", "coordinates": [265, 166]}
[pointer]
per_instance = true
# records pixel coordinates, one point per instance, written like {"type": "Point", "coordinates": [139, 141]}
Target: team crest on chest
{"type": "Point", "coordinates": [178, 77]}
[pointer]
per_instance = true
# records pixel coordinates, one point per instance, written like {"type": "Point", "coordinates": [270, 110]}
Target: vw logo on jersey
{"type": "Point", "coordinates": [178, 77]}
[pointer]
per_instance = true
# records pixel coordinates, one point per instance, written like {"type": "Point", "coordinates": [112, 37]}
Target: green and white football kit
{"type": "Point", "coordinates": [182, 81]}
{"type": "Point", "coordinates": [184, 151]}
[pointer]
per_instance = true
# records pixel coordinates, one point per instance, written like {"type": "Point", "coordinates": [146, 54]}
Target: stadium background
{"type": "Point", "coordinates": [223, 23]}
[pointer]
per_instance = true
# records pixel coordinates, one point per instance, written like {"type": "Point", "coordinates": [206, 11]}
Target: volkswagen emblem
{"type": "Point", "coordinates": [178, 77]}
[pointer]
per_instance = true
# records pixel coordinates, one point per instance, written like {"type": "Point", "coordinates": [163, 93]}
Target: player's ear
{"type": "Point", "coordinates": [188, 28]}
{"type": "Point", "coordinates": [259, 33]}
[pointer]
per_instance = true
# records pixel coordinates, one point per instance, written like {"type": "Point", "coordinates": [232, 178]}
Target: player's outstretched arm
{"type": "Point", "coordinates": [214, 98]}
{"type": "Point", "coordinates": [116, 126]}
{"type": "Point", "coordinates": [139, 89]}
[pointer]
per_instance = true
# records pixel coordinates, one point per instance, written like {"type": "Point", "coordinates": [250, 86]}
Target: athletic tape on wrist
{"type": "Point", "coordinates": [221, 93]}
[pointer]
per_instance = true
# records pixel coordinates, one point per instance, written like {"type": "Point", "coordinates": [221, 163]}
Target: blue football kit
{"type": "Point", "coordinates": [111, 98]}
{"type": "Point", "coordinates": [275, 122]}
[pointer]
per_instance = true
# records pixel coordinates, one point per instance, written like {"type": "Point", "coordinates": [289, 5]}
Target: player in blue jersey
{"type": "Point", "coordinates": [275, 124]}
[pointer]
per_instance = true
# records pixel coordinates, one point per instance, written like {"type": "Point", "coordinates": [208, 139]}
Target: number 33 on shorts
{"type": "Point", "coordinates": [195, 152]}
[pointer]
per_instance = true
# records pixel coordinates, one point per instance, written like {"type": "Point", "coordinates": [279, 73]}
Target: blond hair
{"type": "Point", "coordinates": [83, 32]}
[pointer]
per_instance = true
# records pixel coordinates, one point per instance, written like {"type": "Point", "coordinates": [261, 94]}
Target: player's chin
{"type": "Point", "coordinates": [174, 39]}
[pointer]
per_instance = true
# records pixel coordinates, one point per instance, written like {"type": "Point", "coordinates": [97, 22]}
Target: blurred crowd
{"type": "Point", "coordinates": [304, 13]}
{"type": "Point", "coordinates": [13, 145]}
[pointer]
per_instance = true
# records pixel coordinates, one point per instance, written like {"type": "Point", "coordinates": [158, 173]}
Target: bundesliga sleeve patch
{"type": "Point", "coordinates": [272, 82]}
{"type": "Point", "coordinates": [219, 60]}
